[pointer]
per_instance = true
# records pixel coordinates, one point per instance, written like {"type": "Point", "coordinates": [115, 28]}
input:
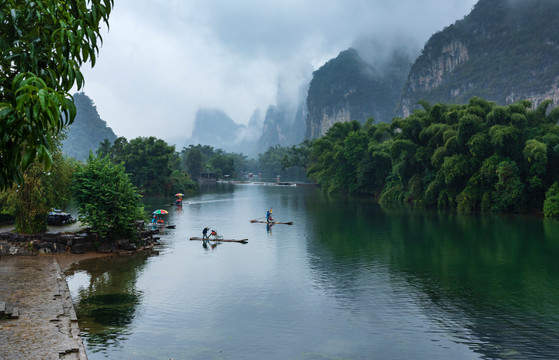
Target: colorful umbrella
{"type": "Point", "coordinates": [179, 194]}
{"type": "Point", "coordinates": [160, 211]}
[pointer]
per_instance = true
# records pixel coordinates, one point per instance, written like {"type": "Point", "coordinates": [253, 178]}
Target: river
{"type": "Point", "coordinates": [348, 280]}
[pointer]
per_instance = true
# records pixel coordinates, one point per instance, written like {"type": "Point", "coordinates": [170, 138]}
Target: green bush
{"type": "Point", "coordinates": [551, 203]}
{"type": "Point", "coordinates": [107, 200]}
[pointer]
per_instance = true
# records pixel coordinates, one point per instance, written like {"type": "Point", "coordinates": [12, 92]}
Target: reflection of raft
{"type": "Point", "coordinates": [242, 241]}
{"type": "Point", "coordinates": [272, 222]}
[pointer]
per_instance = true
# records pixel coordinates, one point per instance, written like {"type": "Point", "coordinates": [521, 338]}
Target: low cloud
{"type": "Point", "coordinates": [162, 60]}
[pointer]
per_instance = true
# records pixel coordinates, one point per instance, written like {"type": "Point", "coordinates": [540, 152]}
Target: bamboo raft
{"type": "Point", "coordinates": [242, 241]}
{"type": "Point", "coordinates": [271, 222]}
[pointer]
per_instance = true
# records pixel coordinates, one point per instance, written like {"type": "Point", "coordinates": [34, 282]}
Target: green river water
{"type": "Point", "coordinates": [349, 280]}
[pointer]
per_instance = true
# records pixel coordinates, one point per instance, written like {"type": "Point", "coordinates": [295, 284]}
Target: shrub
{"type": "Point", "coordinates": [551, 203]}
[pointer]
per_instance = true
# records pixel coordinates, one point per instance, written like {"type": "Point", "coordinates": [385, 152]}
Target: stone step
{"type": "Point", "coordinates": [9, 313]}
{"type": "Point", "coordinates": [14, 314]}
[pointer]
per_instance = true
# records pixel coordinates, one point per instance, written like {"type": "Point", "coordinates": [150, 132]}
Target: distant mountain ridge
{"type": "Point", "coordinates": [284, 125]}
{"type": "Point", "coordinates": [87, 130]}
{"type": "Point", "coordinates": [503, 51]}
{"type": "Point", "coordinates": [215, 128]}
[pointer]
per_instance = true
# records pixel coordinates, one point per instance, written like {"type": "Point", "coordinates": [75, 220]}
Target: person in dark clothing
{"type": "Point", "coordinates": [205, 233]}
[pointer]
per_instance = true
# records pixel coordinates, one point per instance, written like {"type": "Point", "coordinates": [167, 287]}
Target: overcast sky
{"type": "Point", "coordinates": [162, 60]}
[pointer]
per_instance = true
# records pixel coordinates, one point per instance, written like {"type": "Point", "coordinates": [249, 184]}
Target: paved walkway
{"type": "Point", "coordinates": [47, 326]}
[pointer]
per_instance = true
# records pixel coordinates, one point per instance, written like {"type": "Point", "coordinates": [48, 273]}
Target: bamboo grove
{"type": "Point", "coordinates": [473, 157]}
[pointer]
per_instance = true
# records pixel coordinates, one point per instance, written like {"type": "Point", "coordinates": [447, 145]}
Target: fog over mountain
{"type": "Point", "coordinates": [162, 61]}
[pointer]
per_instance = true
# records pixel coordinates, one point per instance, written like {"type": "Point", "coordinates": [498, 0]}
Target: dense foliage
{"type": "Point", "coordinates": [271, 163]}
{"type": "Point", "coordinates": [200, 158]}
{"type": "Point", "coordinates": [30, 203]}
{"type": "Point", "coordinates": [152, 164]}
{"type": "Point", "coordinates": [107, 201]}
{"type": "Point", "coordinates": [478, 156]}
{"type": "Point", "coordinates": [282, 161]}
{"type": "Point", "coordinates": [87, 130]}
{"type": "Point", "coordinates": [43, 44]}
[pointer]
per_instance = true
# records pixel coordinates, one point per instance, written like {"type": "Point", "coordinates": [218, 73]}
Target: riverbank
{"type": "Point", "coordinates": [66, 260]}
{"type": "Point", "coordinates": [37, 316]}
{"type": "Point", "coordinates": [45, 324]}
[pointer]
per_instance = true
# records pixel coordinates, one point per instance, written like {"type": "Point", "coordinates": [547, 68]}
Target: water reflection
{"type": "Point", "coordinates": [210, 245]}
{"type": "Point", "coordinates": [490, 281]}
{"type": "Point", "coordinates": [348, 280]}
{"type": "Point", "coordinates": [106, 300]}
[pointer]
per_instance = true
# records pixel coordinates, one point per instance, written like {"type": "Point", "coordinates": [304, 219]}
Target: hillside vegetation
{"type": "Point", "coordinates": [87, 131]}
{"type": "Point", "coordinates": [477, 156]}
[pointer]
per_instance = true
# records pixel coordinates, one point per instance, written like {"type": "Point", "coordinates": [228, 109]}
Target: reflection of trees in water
{"type": "Point", "coordinates": [107, 305]}
{"type": "Point", "coordinates": [488, 280]}
{"type": "Point", "coordinates": [106, 318]}
{"type": "Point", "coordinates": [110, 309]}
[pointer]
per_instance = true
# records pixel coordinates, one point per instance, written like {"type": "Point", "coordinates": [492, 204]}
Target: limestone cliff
{"type": "Point", "coordinates": [284, 124]}
{"type": "Point", "coordinates": [503, 51]}
{"type": "Point", "coordinates": [347, 88]}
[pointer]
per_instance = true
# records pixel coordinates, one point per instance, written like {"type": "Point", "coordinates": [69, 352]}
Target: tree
{"type": "Point", "coordinates": [107, 200]}
{"type": "Point", "coordinates": [43, 44]}
{"type": "Point", "coordinates": [41, 191]}
{"type": "Point", "coordinates": [30, 203]}
{"type": "Point", "coordinates": [153, 166]}
{"type": "Point", "coordinates": [148, 161]}
{"type": "Point", "coordinates": [298, 155]}
{"type": "Point", "coordinates": [535, 155]}
{"type": "Point", "coordinates": [194, 162]}
{"type": "Point", "coordinates": [271, 161]}
{"type": "Point", "coordinates": [551, 203]}
{"type": "Point", "coordinates": [104, 149]}
{"type": "Point", "coordinates": [179, 181]}
{"type": "Point", "coordinates": [222, 164]}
